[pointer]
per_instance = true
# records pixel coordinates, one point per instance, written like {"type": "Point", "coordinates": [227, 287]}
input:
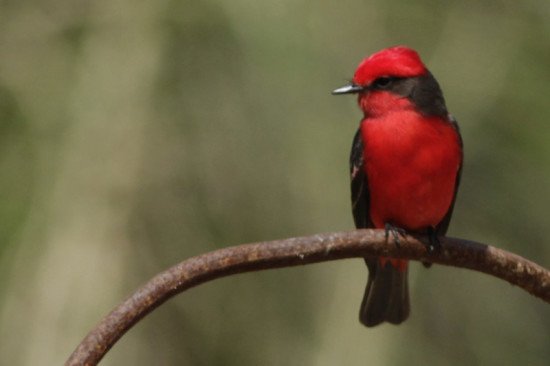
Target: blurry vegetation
{"type": "Point", "coordinates": [134, 135]}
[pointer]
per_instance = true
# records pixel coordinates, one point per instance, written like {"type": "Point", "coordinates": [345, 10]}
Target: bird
{"type": "Point", "coordinates": [405, 166]}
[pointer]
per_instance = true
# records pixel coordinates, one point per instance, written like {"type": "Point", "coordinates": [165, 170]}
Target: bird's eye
{"type": "Point", "coordinates": [383, 83]}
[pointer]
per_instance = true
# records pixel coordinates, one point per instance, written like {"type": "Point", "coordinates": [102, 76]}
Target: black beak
{"type": "Point", "coordinates": [350, 88]}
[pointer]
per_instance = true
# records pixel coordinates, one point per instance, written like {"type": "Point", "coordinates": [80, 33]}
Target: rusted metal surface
{"type": "Point", "coordinates": [299, 251]}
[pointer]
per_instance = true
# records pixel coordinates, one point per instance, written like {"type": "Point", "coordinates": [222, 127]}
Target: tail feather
{"type": "Point", "coordinates": [386, 296]}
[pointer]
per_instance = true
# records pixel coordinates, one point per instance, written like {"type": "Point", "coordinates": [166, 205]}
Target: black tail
{"type": "Point", "coordinates": [387, 295]}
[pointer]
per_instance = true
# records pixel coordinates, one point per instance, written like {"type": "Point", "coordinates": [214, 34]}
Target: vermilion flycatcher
{"type": "Point", "coordinates": [405, 165]}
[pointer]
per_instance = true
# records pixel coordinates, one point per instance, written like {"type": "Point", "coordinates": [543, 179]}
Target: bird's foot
{"type": "Point", "coordinates": [395, 231]}
{"type": "Point", "coordinates": [435, 244]}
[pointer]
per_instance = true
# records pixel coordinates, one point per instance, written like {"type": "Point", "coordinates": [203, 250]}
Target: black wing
{"type": "Point", "coordinates": [442, 227]}
{"type": "Point", "coordinates": [359, 185]}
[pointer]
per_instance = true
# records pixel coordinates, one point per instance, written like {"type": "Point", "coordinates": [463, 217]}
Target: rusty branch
{"type": "Point", "coordinates": [299, 251]}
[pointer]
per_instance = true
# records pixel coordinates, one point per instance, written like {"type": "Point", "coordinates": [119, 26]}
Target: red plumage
{"type": "Point", "coordinates": [411, 164]}
{"type": "Point", "coordinates": [396, 61]}
{"type": "Point", "coordinates": [405, 164]}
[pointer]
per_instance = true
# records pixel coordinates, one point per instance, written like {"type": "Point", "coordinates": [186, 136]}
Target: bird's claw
{"type": "Point", "coordinates": [435, 244]}
{"type": "Point", "coordinates": [395, 231]}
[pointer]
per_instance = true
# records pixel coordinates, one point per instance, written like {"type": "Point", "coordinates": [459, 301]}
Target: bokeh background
{"type": "Point", "coordinates": [136, 134]}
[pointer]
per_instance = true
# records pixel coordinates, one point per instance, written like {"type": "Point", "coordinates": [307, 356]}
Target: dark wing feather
{"type": "Point", "coordinates": [442, 227]}
{"type": "Point", "coordinates": [359, 185]}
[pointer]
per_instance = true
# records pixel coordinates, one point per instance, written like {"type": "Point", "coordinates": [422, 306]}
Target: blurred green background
{"type": "Point", "coordinates": [134, 135]}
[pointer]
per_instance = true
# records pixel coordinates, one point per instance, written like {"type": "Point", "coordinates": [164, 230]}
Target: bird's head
{"type": "Point", "coordinates": [392, 79]}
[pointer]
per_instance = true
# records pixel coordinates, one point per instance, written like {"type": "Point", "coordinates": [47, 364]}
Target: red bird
{"type": "Point", "coordinates": [405, 165]}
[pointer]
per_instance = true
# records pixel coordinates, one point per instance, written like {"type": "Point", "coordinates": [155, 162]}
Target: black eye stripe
{"type": "Point", "coordinates": [382, 83]}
